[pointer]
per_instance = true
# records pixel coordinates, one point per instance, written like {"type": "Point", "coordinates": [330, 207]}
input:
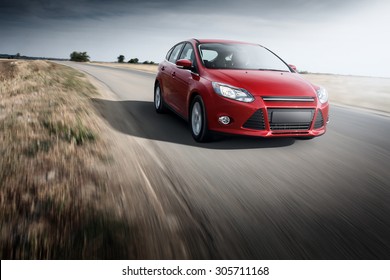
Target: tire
{"type": "Point", "coordinates": [158, 99]}
{"type": "Point", "coordinates": [198, 121]}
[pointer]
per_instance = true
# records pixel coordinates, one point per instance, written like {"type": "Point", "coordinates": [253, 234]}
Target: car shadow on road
{"type": "Point", "coordinates": [139, 118]}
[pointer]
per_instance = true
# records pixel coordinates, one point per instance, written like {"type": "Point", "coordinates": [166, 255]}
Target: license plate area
{"type": "Point", "coordinates": [290, 119]}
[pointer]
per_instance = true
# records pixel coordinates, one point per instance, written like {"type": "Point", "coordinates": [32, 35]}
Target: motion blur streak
{"type": "Point", "coordinates": [251, 198]}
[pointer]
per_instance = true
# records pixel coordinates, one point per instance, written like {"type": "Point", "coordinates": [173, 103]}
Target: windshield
{"type": "Point", "coordinates": [240, 56]}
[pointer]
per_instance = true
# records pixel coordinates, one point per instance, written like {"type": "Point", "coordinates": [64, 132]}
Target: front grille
{"type": "Point", "coordinates": [256, 121]}
{"type": "Point", "coordinates": [288, 98]}
{"type": "Point", "coordinates": [290, 119]}
{"type": "Point", "coordinates": [319, 120]}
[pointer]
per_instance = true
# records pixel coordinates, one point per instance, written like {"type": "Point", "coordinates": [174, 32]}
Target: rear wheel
{"type": "Point", "coordinates": [158, 99]}
{"type": "Point", "coordinates": [198, 120]}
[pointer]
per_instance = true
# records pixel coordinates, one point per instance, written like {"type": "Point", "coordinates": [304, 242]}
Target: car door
{"type": "Point", "coordinates": [181, 81]}
{"type": "Point", "coordinates": [168, 71]}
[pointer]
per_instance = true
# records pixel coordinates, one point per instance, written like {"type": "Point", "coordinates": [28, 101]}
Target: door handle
{"type": "Point", "coordinates": [173, 74]}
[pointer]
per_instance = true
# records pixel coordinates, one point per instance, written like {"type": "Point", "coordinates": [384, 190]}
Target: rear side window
{"type": "Point", "coordinates": [169, 53]}
{"type": "Point", "coordinates": [175, 53]}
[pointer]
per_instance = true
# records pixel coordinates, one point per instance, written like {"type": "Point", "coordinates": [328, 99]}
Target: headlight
{"type": "Point", "coordinates": [231, 92]}
{"type": "Point", "coordinates": [322, 95]}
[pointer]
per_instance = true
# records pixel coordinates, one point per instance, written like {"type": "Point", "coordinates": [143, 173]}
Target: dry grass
{"type": "Point", "coordinates": [51, 191]}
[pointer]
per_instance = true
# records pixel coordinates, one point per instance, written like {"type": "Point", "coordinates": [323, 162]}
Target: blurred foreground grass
{"type": "Point", "coordinates": [52, 196]}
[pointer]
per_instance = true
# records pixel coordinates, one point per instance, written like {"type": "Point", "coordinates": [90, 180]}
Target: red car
{"type": "Point", "coordinates": [238, 88]}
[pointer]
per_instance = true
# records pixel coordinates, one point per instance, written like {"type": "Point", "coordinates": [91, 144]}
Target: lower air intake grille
{"type": "Point", "coordinates": [256, 121]}
{"type": "Point", "coordinates": [290, 126]}
{"type": "Point", "coordinates": [290, 119]}
{"type": "Point", "coordinates": [319, 120]}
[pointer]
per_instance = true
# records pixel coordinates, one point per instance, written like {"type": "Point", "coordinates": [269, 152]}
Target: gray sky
{"type": "Point", "coordinates": [330, 36]}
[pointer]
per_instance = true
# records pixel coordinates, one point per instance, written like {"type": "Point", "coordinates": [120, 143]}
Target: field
{"type": "Point", "coordinates": [362, 92]}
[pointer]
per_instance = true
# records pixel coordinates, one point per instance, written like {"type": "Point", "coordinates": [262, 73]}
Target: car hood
{"type": "Point", "coordinates": [264, 83]}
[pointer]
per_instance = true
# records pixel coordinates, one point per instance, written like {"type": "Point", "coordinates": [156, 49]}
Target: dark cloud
{"type": "Point", "coordinates": [25, 10]}
{"type": "Point", "coordinates": [61, 9]}
{"type": "Point", "coordinates": [82, 9]}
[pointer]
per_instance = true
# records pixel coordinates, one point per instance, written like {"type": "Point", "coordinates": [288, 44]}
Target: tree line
{"type": "Point", "coordinates": [84, 57]}
{"type": "Point", "coordinates": [121, 59]}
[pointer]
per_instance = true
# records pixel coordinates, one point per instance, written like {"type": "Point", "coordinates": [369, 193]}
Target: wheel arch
{"type": "Point", "coordinates": [156, 81]}
{"type": "Point", "coordinates": [190, 99]}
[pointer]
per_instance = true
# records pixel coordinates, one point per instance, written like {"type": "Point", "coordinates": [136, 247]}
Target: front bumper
{"type": "Point", "coordinates": [270, 119]}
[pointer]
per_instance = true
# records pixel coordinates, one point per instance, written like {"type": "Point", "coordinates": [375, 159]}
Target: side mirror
{"type": "Point", "coordinates": [293, 67]}
{"type": "Point", "coordinates": [184, 64]}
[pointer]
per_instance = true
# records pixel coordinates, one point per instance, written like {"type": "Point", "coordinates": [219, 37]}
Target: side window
{"type": "Point", "coordinates": [187, 53]}
{"type": "Point", "coordinates": [175, 53]}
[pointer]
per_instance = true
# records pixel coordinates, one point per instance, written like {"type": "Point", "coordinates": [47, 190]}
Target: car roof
{"type": "Point", "coordinates": [204, 41]}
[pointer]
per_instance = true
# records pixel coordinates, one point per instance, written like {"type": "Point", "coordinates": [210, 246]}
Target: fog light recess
{"type": "Point", "coordinates": [224, 120]}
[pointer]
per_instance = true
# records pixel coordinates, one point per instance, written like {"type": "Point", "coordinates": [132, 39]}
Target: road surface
{"type": "Point", "coordinates": [251, 198]}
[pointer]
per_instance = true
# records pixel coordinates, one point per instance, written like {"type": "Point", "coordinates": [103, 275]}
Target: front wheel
{"type": "Point", "coordinates": [158, 99]}
{"type": "Point", "coordinates": [198, 120]}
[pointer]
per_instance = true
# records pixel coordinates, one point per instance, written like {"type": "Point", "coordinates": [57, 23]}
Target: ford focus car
{"type": "Point", "coordinates": [238, 88]}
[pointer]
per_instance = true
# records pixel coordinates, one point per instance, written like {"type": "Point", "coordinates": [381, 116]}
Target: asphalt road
{"type": "Point", "coordinates": [253, 198]}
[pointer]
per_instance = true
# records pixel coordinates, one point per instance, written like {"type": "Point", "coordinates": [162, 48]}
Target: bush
{"type": "Point", "coordinates": [134, 60]}
{"type": "Point", "coordinates": [79, 56]}
{"type": "Point", "coordinates": [121, 58]}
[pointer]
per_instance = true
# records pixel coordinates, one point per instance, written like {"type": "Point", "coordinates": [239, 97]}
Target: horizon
{"type": "Point", "coordinates": [302, 72]}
